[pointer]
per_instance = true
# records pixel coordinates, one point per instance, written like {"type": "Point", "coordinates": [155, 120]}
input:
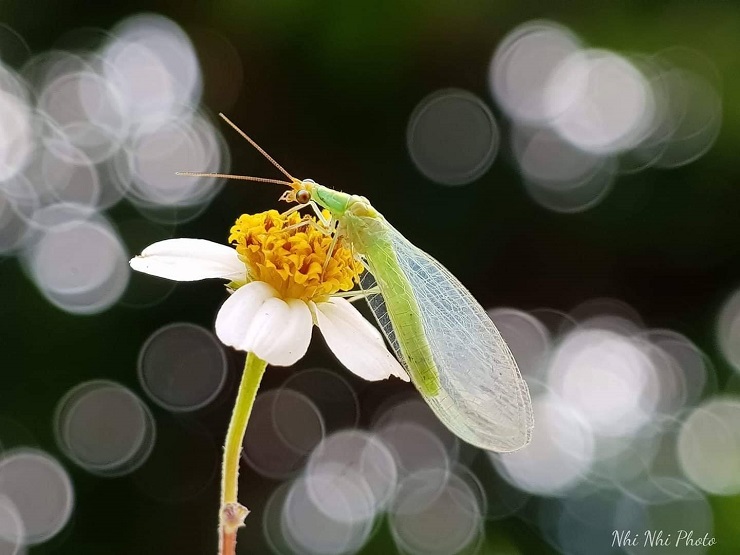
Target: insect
{"type": "Point", "coordinates": [449, 346]}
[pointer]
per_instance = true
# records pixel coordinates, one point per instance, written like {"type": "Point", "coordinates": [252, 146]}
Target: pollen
{"type": "Point", "coordinates": [294, 256]}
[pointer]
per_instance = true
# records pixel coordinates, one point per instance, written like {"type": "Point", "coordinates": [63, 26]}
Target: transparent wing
{"type": "Point", "coordinates": [483, 398]}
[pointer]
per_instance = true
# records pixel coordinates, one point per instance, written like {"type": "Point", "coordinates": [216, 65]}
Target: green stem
{"type": "Point", "coordinates": [253, 370]}
{"type": "Point", "coordinates": [231, 514]}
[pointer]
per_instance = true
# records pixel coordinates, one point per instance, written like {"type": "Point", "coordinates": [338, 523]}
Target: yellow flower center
{"type": "Point", "coordinates": [294, 259]}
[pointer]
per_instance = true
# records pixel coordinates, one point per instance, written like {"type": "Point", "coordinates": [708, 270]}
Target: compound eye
{"type": "Point", "coordinates": [302, 196]}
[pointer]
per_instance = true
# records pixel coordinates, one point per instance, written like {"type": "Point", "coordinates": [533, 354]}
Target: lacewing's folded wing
{"type": "Point", "coordinates": [482, 397]}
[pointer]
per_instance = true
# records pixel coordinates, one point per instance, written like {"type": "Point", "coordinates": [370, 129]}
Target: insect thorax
{"type": "Point", "coordinates": [334, 201]}
{"type": "Point", "coordinates": [362, 223]}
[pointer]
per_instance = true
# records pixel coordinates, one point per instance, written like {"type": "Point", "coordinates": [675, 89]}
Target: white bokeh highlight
{"type": "Point", "coordinates": [284, 427]}
{"type": "Point", "coordinates": [112, 121]}
{"type": "Point", "coordinates": [728, 330]}
{"type": "Point", "coordinates": [77, 260]}
{"type": "Point", "coordinates": [606, 377]}
{"type": "Point", "coordinates": [309, 530]}
{"type": "Point", "coordinates": [355, 466]}
{"type": "Point", "coordinates": [435, 513]}
{"type": "Point", "coordinates": [582, 115]}
{"type": "Point", "coordinates": [709, 446]}
{"type": "Point", "coordinates": [153, 64]}
{"type": "Point", "coordinates": [560, 454]}
{"type": "Point", "coordinates": [602, 101]}
{"type": "Point", "coordinates": [40, 490]}
{"type": "Point", "coordinates": [182, 367]}
{"type": "Point", "coordinates": [522, 67]}
{"type": "Point", "coordinates": [104, 428]}
{"type": "Point", "coordinates": [452, 137]}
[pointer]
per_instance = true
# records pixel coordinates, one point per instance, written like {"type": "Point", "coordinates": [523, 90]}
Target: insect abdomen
{"type": "Point", "coordinates": [403, 312]}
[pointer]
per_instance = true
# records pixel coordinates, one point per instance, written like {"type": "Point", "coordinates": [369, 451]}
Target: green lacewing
{"type": "Point", "coordinates": [450, 348]}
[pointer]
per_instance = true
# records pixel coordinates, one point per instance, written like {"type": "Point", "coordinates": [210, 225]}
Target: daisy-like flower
{"type": "Point", "coordinates": [285, 277]}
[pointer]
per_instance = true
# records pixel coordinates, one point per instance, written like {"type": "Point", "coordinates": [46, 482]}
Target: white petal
{"type": "Point", "coordinates": [255, 319]}
{"type": "Point", "coordinates": [236, 314]}
{"type": "Point", "coordinates": [189, 260]}
{"type": "Point", "coordinates": [355, 341]}
{"type": "Point", "coordinates": [281, 331]}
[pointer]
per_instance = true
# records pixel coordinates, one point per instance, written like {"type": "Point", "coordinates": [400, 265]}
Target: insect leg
{"type": "Point", "coordinates": [327, 223]}
{"type": "Point", "coordinates": [306, 221]}
{"type": "Point", "coordinates": [362, 261]}
{"type": "Point", "coordinates": [334, 240]}
{"type": "Point", "coordinates": [294, 209]}
{"type": "Point", "coordinates": [317, 210]}
{"type": "Point", "coordinates": [360, 297]}
{"type": "Point", "coordinates": [353, 296]}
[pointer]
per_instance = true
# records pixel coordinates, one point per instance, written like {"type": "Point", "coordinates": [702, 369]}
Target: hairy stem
{"type": "Point", "coordinates": [232, 514]}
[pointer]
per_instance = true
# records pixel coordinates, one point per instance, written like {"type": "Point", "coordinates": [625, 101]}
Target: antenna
{"type": "Point", "coordinates": [259, 148]}
{"type": "Point", "coordinates": [230, 176]}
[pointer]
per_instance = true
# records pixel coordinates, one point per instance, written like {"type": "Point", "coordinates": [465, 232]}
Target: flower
{"type": "Point", "coordinates": [285, 275]}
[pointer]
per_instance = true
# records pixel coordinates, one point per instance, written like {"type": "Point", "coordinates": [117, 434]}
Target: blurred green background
{"type": "Point", "coordinates": [327, 88]}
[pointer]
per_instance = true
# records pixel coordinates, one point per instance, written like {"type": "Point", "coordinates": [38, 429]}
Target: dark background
{"type": "Point", "coordinates": [327, 88]}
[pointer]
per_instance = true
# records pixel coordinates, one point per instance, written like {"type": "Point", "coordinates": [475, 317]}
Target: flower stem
{"type": "Point", "coordinates": [232, 514]}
